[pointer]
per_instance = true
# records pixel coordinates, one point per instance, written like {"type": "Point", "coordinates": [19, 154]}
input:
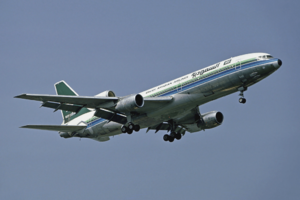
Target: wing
{"type": "Point", "coordinates": [166, 127]}
{"type": "Point", "coordinates": [60, 128]}
{"type": "Point", "coordinates": [191, 117]}
{"type": "Point", "coordinates": [89, 102]}
{"type": "Point", "coordinates": [59, 106]}
{"type": "Point", "coordinates": [75, 103]}
{"type": "Point", "coordinates": [105, 106]}
{"type": "Point", "coordinates": [153, 103]}
{"type": "Point", "coordinates": [111, 116]}
{"type": "Point", "coordinates": [83, 101]}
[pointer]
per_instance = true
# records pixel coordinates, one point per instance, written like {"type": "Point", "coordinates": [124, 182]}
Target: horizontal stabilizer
{"type": "Point", "coordinates": [60, 128]}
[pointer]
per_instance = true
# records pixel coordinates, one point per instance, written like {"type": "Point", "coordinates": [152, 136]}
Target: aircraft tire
{"type": "Point", "coordinates": [171, 139]}
{"type": "Point", "coordinates": [166, 137]}
{"type": "Point", "coordinates": [130, 126]}
{"type": "Point", "coordinates": [178, 136]}
{"type": "Point", "coordinates": [242, 100]}
{"type": "Point", "coordinates": [129, 132]}
{"type": "Point", "coordinates": [124, 129]}
{"type": "Point", "coordinates": [136, 128]}
{"type": "Point", "coordinates": [173, 134]}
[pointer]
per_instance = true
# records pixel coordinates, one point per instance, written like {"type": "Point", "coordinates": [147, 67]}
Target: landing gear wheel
{"type": "Point", "coordinates": [173, 134]}
{"type": "Point", "coordinates": [171, 139]}
{"type": "Point", "coordinates": [129, 132]}
{"type": "Point", "coordinates": [166, 137]}
{"type": "Point", "coordinates": [242, 100]}
{"type": "Point", "coordinates": [124, 129]}
{"type": "Point", "coordinates": [136, 128]}
{"type": "Point", "coordinates": [130, 126]}
{"type": "Point", "coordinates": [178, 136]}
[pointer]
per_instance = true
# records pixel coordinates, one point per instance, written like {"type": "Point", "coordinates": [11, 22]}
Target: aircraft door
{"type": "Point", "coordinates": [179, 86]}
{"type": "Point", "coordinates": [238, 65]}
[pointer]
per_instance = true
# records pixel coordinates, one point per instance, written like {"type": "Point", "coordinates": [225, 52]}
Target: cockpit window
{"type": "Point", "coordinates": [265, 57]}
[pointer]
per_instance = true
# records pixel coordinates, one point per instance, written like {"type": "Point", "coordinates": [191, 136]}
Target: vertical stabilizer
{"type": "Point", "coordinates": [62, 88]}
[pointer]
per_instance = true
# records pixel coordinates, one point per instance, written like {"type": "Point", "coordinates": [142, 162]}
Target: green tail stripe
{"type": "Point", "coordinates": [62, 88]}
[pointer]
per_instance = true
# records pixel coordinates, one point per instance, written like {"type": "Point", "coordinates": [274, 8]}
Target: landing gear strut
{"type": "Point", "coordinates": [173, 135]}
{"type": "Point", "coordinates": [130, 128]}
{"type": "Point", "coordinates": [242, 99]}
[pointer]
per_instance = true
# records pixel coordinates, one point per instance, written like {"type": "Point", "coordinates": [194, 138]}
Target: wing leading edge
{"type": "Point", "coordinates": [89, 102]}
{"type": "Point", "coordinates": [84, 101]}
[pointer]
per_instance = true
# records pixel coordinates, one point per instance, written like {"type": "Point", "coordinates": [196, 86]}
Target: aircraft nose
{"type": "Point", "coordinates": [278, 63]}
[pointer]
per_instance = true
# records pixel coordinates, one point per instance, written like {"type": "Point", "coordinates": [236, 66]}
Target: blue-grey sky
{"type": "Point", "coordinates": [128, 47]}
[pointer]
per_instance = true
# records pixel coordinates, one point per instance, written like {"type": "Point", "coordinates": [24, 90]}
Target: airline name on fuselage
{"type": "Point", "coordinates": [201, 72]}
{"type": "Point", "coordinates": [205, 70]}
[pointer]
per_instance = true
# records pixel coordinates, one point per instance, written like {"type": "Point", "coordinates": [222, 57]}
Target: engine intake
{"type": "Point", "coordinates": [107, 93]}
{"type": "Point", "coordinates": [130, 103]}
{"type": "Point", "coordinates": [211, 120]}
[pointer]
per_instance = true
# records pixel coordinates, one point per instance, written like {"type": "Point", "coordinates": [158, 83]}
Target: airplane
{"type": "Point", "coordinates": [172, 106]}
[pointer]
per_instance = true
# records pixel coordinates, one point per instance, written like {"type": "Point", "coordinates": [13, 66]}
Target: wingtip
{"type": "Point", "coordinates": [20, 96]}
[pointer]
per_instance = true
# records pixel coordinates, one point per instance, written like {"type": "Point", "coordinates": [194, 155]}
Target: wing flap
{"type": "Point", "coordinates": [60, 128]}
{"type": "Point", "coordinates": [58, 106]}
{"type": "Point", "coordinates": [115, 117]}
{"type": "Point", "coordinates": [166, 127]}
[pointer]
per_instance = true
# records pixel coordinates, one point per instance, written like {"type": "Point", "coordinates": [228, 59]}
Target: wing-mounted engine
{"type": "Point", "coordinates": [206, 121]}
{"type": "Point", "coordinates": [130, 103]}
{"type": "Point", "coordinates": [211, 120]}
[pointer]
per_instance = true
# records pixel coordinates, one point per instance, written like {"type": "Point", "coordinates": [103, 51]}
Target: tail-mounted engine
{"type": "Point", "coordinates": [130, 103]}
{"type": "Point", "coordinates": [107, 93]}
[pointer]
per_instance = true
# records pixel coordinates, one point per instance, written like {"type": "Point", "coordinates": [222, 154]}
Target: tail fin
{"type": "Point", "coordinates": [62, 88]}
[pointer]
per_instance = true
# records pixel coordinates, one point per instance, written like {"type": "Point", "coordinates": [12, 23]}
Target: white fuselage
{"type": "Point", "coordinates": [190, 91]}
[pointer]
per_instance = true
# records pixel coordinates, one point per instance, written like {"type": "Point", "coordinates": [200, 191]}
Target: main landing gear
{"type": "Point", "coordinates": [130, 128]}
{"type": "Point", "coordinates": [173, 135]}
{"type": "Point", "coordinates": [242, 99]}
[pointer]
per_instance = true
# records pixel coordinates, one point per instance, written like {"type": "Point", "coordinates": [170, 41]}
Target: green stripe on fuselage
{"type": "Point", "coordinates": [204, 75]}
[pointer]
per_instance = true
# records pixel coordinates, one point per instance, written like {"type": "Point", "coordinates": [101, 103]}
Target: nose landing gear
{"type": "Point", "coordinates": [242, 99]}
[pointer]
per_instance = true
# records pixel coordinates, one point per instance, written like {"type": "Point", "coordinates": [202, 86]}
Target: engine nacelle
{"type": "Point", "coordinates": [130, 103]}
{"type": "Point", "coordinates": [107, 93]}
{"type": "Point", "coordinates": [211, 120]}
